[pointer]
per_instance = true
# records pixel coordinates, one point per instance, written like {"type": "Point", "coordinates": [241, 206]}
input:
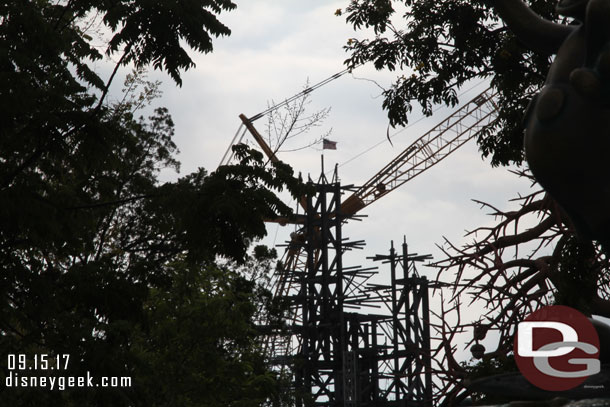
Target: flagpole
{"type": "Point", "coordinates": [322, 159]}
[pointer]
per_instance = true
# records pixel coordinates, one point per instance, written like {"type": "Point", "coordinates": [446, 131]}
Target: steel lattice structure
{"type": "Point", "coordinates": [338, 357]}
{"type": "Point", "coordinates": [428, 150]}
{"type": "Point", "coordinates": [355, 359]}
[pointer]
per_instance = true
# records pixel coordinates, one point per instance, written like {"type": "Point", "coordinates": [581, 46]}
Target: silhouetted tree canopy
{"type": "Point", "coordinates": [436, 46]}
{"type": "Point", "coordinates": [98, 259]}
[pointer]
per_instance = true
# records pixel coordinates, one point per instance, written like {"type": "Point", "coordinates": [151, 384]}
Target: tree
{"type": "Point", "coordinates": [210, 313]}
{"type": "Point", "coordinates": [99, 260]}
{"type": "Point", "coordinates": [531, 256]}
{"type": "Point", "coordinates": [292, 121]}
{"type": "Point", "coordinates": [450, 42]}
{"type": "Point", "coordinates": [438, 46]}
{"type": "Point", "coordinates": [526, 260]}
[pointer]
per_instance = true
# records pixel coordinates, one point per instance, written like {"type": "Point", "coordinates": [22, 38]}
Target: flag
{"type": "Point", "coordinates": [328, 145]}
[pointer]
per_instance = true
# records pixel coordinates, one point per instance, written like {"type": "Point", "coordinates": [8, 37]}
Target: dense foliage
{"type": "Point", "coordinates": [530, 256]}
{"type": "Point", "coordinates": [99, 260]}
{"type": "Point", "coordinates": [437, 46]}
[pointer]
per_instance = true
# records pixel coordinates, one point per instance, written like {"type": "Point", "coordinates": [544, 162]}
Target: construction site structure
{"type": "Point", "coordinates": [428, 150]}
{"type": "Point", "coordinates": [361, 358]}
{"type": "Point", "coordinates": [341, 353]}
{"type": "Point", "coordinates": [463, 125]}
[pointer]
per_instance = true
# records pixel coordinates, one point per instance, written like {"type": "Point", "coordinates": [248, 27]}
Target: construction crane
{"type": "Point", "coordinates": [428, 150]}
{"type": "Point", "coordinates": [458, 128]}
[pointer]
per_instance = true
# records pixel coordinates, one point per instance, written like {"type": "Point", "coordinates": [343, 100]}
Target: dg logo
{"type": "Point", "coordinates": [557, 348]}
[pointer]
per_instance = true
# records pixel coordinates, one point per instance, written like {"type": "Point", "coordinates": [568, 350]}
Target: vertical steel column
{"type": "Point", "coordinates": [427, 401]}
{"type": "Point", "coordinates": [416, 306]}
{"type": "Point", "coordinates": [323, 336]}
{"type": "Point", "coordinates": [341, 363]}
{"type": "Point", "coordinates": [397, 383]}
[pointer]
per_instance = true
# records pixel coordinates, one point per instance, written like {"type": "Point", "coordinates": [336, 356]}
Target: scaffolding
{"type": "Point", "coordinates": [360, 358]}
{"type": "Point", "coordinates": [353, 358]}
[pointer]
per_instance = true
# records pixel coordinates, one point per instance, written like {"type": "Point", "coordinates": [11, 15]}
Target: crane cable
{"type": "Point", "coordinates": [228, 155]}
{"type": "Point", "coordinates": [401, 130]}
{"type": "Point", "coordinates": [302, 93]}
{"type": "Point", "coordinates": [236, 140]}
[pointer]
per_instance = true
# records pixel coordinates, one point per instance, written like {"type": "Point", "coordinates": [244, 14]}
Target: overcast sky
{"type": "Point", "coordinates": [274, 48]}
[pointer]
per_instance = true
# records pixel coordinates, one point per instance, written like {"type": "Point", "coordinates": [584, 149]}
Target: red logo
{"type": "Point", "coordinates": [556, 348]}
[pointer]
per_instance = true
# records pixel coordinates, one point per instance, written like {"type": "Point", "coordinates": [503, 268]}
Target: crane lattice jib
{"type": "Point", "coordinates": [428, 150]}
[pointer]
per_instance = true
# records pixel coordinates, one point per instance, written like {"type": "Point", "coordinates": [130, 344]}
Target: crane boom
{"type": "Point", "coordinates": [458, 128]}
{"type": "Point", "coordinates": [428, 150]}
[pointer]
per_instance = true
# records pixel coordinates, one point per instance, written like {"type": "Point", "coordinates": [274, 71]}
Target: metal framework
{"type": "Point", "coordinates": [409, 362]}
{"type": "Point", "coordinates": [319, 302]}
{"type": "Point", "coordinates": [428, 150]}
{"type": "Point", "coordinates": [354, 359]}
